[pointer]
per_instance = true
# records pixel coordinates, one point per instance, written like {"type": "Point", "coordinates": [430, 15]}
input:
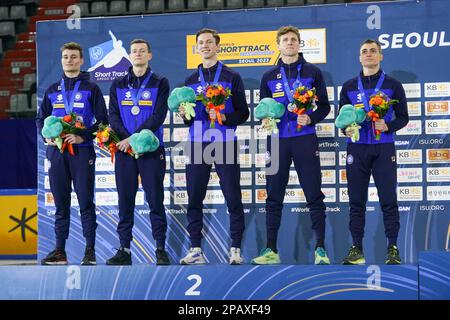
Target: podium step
{"type": "Point", "coordinates": [430, 279]}
{"type": "Point", "coordinates": [215, 281]}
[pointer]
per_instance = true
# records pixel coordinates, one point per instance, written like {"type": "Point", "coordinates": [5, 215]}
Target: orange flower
{"type": "Point", "coordinates": [78, 124]}
{"type": "Point", "coordinates": [67, 118]}
{"type": "Point", "coordinates": [209, 93]}
{"type": "Point", "coordinates": [376, 101]}
{"type": "Point", "coordinates": [216, 92]}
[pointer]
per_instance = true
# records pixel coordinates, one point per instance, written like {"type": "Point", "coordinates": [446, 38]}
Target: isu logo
{"type": "Point", "coordinates": [439, 154]}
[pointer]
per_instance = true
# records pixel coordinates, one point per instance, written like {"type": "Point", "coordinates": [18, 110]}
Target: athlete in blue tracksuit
{"type": "Point", "coordinates": [139, 101]}
{"type": "Point", "coordinates": [370, 156]}
{"type": "Point", "coordinates": [73, 93]}
{"type": "Point", "coordinates": [201, 137]}
{"type": "Point", "coordinates": [301, 146]}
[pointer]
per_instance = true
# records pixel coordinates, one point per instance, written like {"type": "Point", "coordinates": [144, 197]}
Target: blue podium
{"type": "Point", "coordinates": [434, 275]}
{"type": "Point", "coordinates": [430, 279]}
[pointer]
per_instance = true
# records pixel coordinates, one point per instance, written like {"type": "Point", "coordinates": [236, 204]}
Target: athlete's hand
{"type": "Point", "coordinates": [50, 142]}
{"type": "Point", "coordinates": [182, 112]}
{"type": "Point", "coordinates": [381, 125]}
{"type": "Point", "coordinates": [349, 131]}
{"type": "Point", "coordinates": [73, 139]}
{"type": "Point", "coordinates": [212, 114]}
{"type": "Point", "coordinates": [303, 120]}
{"type": "Point", "coordinates": [123, 145]}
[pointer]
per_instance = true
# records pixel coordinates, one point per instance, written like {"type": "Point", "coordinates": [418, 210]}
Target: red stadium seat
{"type": "Point", "coordinates": [26, 36]}
{"type": "Point", "coordinates": [58, 3]}
{"type": "Point", "coordinates": [9, 72]}
{"type": "Point", "coordinates": [18, 62]}
{"type": "Point", "coordinates": [44, 11]}
{"type": "Point", "coordinates": [25, 45]}
{"type": "Point", "coordinates": [48, 17]}
{"type": "Point", "coordinates": [20, 54]}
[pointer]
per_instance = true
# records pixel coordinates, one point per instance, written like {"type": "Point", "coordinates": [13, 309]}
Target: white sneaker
{"type": "Point", "coordinates": [195, 256]}
{"type": "Point", "coordinates": [235, 256]}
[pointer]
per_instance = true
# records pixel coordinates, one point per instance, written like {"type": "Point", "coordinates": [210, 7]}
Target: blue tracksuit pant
{"type": "Point", "coordinates": [151, 166]}
{"type": "Point", "coordinates": [380, 161]}
{"type": "Point", "coordinates": [197, 178]}
{"type": "Point", "coordinates": [65, 168]}
{"type": "Point", "coordinates": [304, 151]}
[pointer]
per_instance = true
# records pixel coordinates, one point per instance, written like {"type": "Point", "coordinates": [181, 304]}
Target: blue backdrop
{"type": "Point", "coordinates": [415, 38]}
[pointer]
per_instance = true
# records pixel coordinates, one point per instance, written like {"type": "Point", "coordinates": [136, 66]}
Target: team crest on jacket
{"type": "Point", "coordinates": [78, 96]}
{"type": "Point", "coordinates": [146, 94]}
{"type": "Point", "coordinates": [349, 159]}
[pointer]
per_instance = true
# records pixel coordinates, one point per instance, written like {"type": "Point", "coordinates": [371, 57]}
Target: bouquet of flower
{"type": "Point", "coordinates": [214, 97]}
{"type": "Point", "coordinates": [184, 96]}
{"type": "Point", "coordinates": [107, 139]}
{"type": "Point", "coordinates": [349, 116]}
{"type": "Point", "coordinates": [380, 104]}
{"type": "Point", "coordinates": [304, 100]}
{"type": "Point", "coordinates": [57, 128]}
{"type": "Point", "coordinates": [144, 141]}
{"type": "Point", "coordinates": [271, 110]}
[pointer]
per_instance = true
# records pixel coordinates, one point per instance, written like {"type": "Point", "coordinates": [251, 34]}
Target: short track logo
{"type": "Point", "coordinates": [109, 60]}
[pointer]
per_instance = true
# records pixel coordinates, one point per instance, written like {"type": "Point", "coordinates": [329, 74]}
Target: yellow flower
{"type": "Point", "coordinates": [105, 134]}
{"type": "Point", "coordinates": [310, 93]}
